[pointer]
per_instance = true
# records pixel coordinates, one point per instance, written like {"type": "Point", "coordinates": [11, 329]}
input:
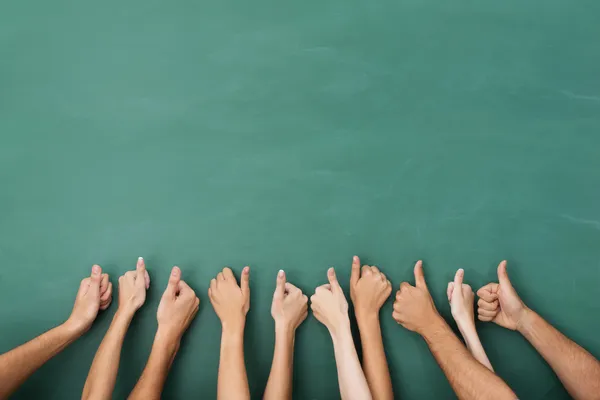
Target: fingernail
{"type": "Point", "coordinates": [246, 269]}
{"type": "Point", "coordinates": [281, 273]}
{"type": "Point", "coordinates": [140, 258]}
{"type": "Point", "coordinates": [174, 271]}
{"type": "Point", "coordinates": [95, 270]}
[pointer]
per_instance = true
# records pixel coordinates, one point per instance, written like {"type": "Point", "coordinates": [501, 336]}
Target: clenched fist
{"type": "Point", "coordinates": [414, 308]}
{"type": "Point", "coordinates": [178, 307]}
{"type": "Point", "coordinates": [230, 301]}
{"type": "Point", "coordinates": [95, 293]}
{"type": "Point", "coordinates": [369, 289]}
{"type": "Point", "coordinates": [290, 305]}
{"type": "Point", "coordinates": [461, 298]}
{"type": "Point", "coordinates": [329, 305]}
{"type": "Point", "coordinates": [500, 303]}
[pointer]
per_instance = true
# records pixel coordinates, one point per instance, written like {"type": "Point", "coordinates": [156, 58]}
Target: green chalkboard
{"type": "Point", "coordinates": [294, 135]}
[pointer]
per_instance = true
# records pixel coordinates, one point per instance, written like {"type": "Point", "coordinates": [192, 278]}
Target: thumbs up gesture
{"type": "Point", "coordinates": [329, 305]}
{"type": "Point", "coordinates": [500, 303]}
{"type": "Point", "coordinates": [414, 308]}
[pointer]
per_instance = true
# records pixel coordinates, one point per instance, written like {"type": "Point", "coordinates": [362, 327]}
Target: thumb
{"type": "Point", "coordinates": [419, 276]}
{"type": "Point", "coordinates": [280, 288]}
{"type": "Point", "coordinates": [174, 278]}
{"type": "Point", "coordinates": [458, 280]}
{"type": "Point", "coordinates": [355, 274]}
{"type": "Point", "coordinates": [503, 276]}
{"type": "Point", "coordinates": [95, 280]}
{"type": "Point", "coordinates": [245, 281]}
{"type": "Point", "coordinates": [140, 269]}
{"type": "Point", "coordinates": [335, 285]}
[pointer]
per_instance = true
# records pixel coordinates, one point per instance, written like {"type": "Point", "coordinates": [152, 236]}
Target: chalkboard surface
{"type": "Point", "coordinates": [294, 135]}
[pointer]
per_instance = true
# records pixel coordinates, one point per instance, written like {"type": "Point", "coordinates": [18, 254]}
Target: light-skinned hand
{"type": "Point", "coordinates": [94, 294]}
{"type": "Point", "coordinates": [461, 298]}
{"type": "Point", "coordinates": [132, 288]}
{"type": "Point", "coordinates": [230, 301]}
{"type": "Point", "coordinates": [290, 306]}
{"type": "Point", "coordinates": [329, 305]}
{"type": "Point", "coordinates": [500, 303]}
{"type": "Point", "coordinates": [178, 307]}
{"type": "Point", "coordinates": [414, 308]}
{"type": "Point", "coordinates": [369, 289]}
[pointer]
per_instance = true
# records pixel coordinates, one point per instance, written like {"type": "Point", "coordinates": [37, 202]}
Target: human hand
{"type": "Point", "coordinates": [177, 309]}
{"type": "Point", "coordinates": [368, 290]}
{"type": "Point", "coordinates": [329, 305]}
{"type": "Point", "coordinates": [500, 303]}
{"type": "Point", "coordinates": [290, 306]}
{"type": "Point", "coordinates": [230, 301]}
{"type": "Point", "coordinates": [132, 288]}
{"type": "Point", "coordinates": [461, 298]}
{"type": "Point", "coordinates": [414, 308]}
{"type": "Point", "coordinates": [94, 294]}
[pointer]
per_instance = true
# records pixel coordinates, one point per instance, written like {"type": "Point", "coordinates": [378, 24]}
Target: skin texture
{"type": "Point", "coordinates": [231, 303]}
{"type": "Point", "coordinates": [577, 369]}
{"type": "Point", "coordinates": [289, 309]}
{"type": "Point", "coordinates": [101, 379]}
{"type": "Point", "coordinates": [414, 309]}
{"type": "Point", "coordinates": [462, 299]}
{"type": "Point", "coordinates": [177, 309]}
{"type": "Point", "coordinates": [369, 290]}
{"type": "Point", "coordinates": [94, 294]}
{"type": "Point", "coordinates": [330, 307]}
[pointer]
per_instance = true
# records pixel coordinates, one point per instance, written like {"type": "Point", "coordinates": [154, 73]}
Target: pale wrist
{"type": "Point", "coordinates": [124, 313]}
{"type": "Point", "coordinates": [341, 331]}
{"type": "Point", "coordinates": [284, 330]}
{"type": "Point", "coordinates": [71, 330]}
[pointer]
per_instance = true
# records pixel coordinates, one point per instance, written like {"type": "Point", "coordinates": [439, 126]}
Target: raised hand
{"type": "Point", "coordinates": [461, 298]}
{"type": "Point", "coordinates": [178, 307]}
{"type": "Point", "coordinates": [230, 301]}
{"type": "Point", "coordinates": [329, 304]}
{"type": "Point", "coordinates": [500, 303]}
{"type": "Point", "coordinates": [369, 289]}
{"type": "Point", "coordinates": [132, 288]}
{"type": "Point", "coordinates": [290, 306]}
{"type": "Point", "coordinates": [414, 308]}
{"type": "Point", "coordinates": [95, 294]}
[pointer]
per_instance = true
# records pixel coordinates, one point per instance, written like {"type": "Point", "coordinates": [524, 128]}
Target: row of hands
{"type": "Point", "coordinates": [369, 289]}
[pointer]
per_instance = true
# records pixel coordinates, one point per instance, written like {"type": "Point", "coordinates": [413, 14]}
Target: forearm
{"type": "Point", "coordinates": [103, 372]}
{"type": "Point", "coordinates": [469, 334]}
{"type": "Point", "coordinates": [374, 362]}
{"type": "Point", "coordinates": [279, 385]}
{"type": "Point", "coordinates": [352, 381]}
{"type": "Point", "coordinates": [152, 381]}
{"type": "Point", "coordinates": [468, 378]}
{"type": "Point", "coordinates": [577, 369]}
{"type": "Point", "coordinates": [232, 381]}
{"type": "Point", "coordinates": [18, 364]}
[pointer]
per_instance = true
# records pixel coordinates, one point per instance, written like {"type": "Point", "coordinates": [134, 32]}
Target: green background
{"type": "Point", "coordinates": [294, 135]}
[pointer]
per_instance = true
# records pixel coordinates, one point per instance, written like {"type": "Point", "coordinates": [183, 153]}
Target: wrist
{"type": "Point", "coordinates": [434, 325]}
{"type": "Point", "coordinates": [71, 330]}
{"type": "Point", "coordinates": [525, 321]}
{"type": "Point", "coordinates": [284, 330]}
{"type": "Point", "coordinates": [367, 317]}
{"type": "Point", "coordinates": [341, 331]}
{"type": "Point", "coordinates": [124, 314]}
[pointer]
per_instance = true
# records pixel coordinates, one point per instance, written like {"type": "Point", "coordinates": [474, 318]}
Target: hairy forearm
{"type": "Point", "coordinates": [18, 364]}
{"type": "Point", "coordinates": [374, 362]}
{"type": "Point", "coordinates": [103, 372]}
{"type": "Point", "coordinates": [352, 381]}
{"type": "Point", "coordinates": [468, 378]}
{"type": "Point", "coordinates": [469, 334]}
{"type": "Point", "coordinates": [232, 381]}
{"type": "Point", "coordinates": [577, 369]}
{"type": "Point", "coordinates": [153, 378]}
{"type": "Point", "coordinates": [279, 385]}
